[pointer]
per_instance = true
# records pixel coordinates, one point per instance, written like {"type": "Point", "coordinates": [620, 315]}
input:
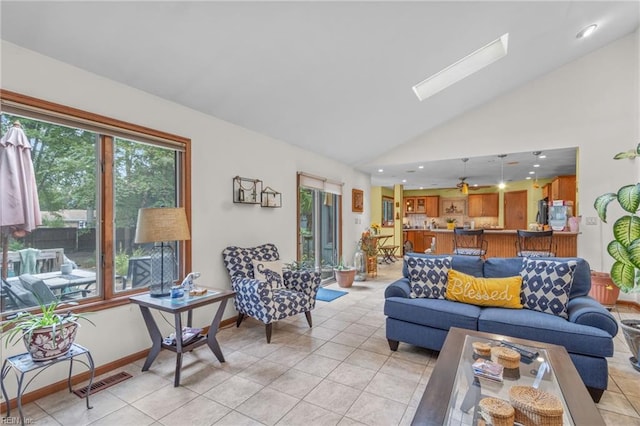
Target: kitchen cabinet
{"type": "Point", "coordinates": [421, 240]}
{"type": "Point", "coordinates": [432, 203]}
{"type": "Point", "coordinates": [428, 205]}
{"type": "Point", "coordinates": [564, 188]}
{"type": "Point", "coordinates": [410, 205]}
{"type": "Point", "coordinates": [483, 205]}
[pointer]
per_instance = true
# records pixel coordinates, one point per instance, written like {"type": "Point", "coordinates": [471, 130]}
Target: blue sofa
{"type": "Point", "coordinates": [587, 334]}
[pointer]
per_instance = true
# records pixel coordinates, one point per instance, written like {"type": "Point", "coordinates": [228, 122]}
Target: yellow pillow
{"type": "Point", "coordinates": [502, 292]}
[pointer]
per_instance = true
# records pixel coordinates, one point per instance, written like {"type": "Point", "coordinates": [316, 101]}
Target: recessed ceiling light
{"type": "Point", "coordinates": [542, 156]}
{"type": "Point", "coordinates": [421, 167]}
{"type": "Point", "coordinates": [466, 66]}
{"type": "Point", "coordinates": [422, 187]}
{"type": "Point", "coordinates": [536, 165]}
{"type": "Point", "coordinates": [380, 170]}
{"type": "Point", "coordinates": [528, 177]}
{"type": "Point", "coordinates": [404, 181]}
{"type": "Point", "coordinates": [532, 172]}
{"type": "Point", "coordinates": [586, 31]}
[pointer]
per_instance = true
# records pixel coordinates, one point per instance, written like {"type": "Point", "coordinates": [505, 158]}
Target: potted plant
{"type": "Point", "coordinates": [344, 274]}
{"type": "Point", "coordinates": [625, 248]}
{"type": "Point", "coordinates": [451, 223]}
{"type": "Point", "coordinates": [46, 335]}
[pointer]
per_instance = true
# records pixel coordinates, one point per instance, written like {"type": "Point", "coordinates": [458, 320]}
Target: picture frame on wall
{"type": "Point", "coordinates": [453, 206]}
{"type": "Point", "coordinates": [357, 200]}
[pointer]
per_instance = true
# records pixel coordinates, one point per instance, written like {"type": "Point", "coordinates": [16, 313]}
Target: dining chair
{"type": "Point", "coordinates": [469, 242]}
{"type": "Point", "coordinates": [534, 243]}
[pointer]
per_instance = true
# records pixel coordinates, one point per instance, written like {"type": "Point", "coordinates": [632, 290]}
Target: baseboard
{"type": "Point", "coordinates": [81, 377]}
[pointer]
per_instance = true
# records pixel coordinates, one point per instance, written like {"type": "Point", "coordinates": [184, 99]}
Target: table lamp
{"type": "Point", "coordinates": [160, 225]}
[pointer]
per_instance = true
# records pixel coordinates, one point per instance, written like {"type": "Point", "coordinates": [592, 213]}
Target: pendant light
{"type": "Point", "coordinates": [464, 186]}
{"type": "Point", "coordinates": [502, 185]}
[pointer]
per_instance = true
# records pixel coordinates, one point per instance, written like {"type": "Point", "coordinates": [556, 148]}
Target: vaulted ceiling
{"type": "Point", "coordinates": [333, 77]}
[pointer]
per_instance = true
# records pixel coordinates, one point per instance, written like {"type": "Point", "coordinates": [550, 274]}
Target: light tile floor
{"type": "Point", "coordinates": [340, 372]}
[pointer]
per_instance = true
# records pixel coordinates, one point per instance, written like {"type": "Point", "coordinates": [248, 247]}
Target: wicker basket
{"type": "Point", "coordinates": [505, 356]}
{"type": "Point", "coordinates": [497, 412]}
{"type": "Point", "coordinates": [535, 407]}
{"type": "Point", "coordinates": [482, 349]}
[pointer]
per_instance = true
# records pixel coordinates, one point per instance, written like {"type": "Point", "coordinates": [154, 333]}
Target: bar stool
{"type": "Point", "coordinates": [534, 243]}
{"type": "Point", "coordinates": [469, 242]}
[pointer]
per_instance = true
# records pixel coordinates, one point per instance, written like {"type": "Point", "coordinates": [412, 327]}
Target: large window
{"type": "Point", "coordinates": [319, 204]}
{"type": "Point", "coordinates": [92, 175]}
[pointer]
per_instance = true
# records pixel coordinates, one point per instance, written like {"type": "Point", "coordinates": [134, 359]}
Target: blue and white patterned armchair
{"type": "Point", "coordinates": [265, 301]}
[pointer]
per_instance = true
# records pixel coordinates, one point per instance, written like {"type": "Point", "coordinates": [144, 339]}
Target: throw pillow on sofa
{"type": "Point", "coordinates": [428, 276]}
{"type": "Point", "coordinates": [268, 272]}
{"type": "Point", "coordinates": [502, 292]}
{"type": "Point", "coordinates": [546, 285]}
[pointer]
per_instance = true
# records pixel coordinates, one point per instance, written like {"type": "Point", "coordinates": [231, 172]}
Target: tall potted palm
{"type": "Point", "coordinates": [625, 248]}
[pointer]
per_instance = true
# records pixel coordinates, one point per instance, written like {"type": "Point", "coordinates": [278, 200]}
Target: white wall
{"type": "Point", "coordinates": [591, 103]}
{"type": "Point", "coordinates": [220, 151]}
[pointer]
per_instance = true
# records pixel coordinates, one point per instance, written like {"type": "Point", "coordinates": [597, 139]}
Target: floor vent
{"type": "Point", "coordinates": [103, 384]}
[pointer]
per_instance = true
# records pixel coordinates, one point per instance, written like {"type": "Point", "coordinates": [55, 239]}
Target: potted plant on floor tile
{"type": "Point", "coordinates": [344, 274]}
{"type": "Point", "coordinates": [46, 335]}
{"type": "Point", "coordinates": [625, 248]}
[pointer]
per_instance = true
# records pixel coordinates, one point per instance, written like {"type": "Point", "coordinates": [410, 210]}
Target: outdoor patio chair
{"type": "Point", "coordinates": [15, 296]}
{"type": "Point", "coordinates": [139, 272]}
{"type": "Point", "coordinates": [43, 293]}
{"type": "Point", "coordinates": [276, 298]}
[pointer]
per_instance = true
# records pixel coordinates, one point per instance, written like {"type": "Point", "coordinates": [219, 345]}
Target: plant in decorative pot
{"type": "Point", "coordinates": [46, 335]}
{"type": "Point", "coordinates": [451, 223]}
{"type": "Point", "coordinates": [625, 248]}
{"type": "Point", "coordinates": [344, 274]}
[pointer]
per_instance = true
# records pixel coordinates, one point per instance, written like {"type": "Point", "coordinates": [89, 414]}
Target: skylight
{"type": "Point", "coordinates": [466, 66]}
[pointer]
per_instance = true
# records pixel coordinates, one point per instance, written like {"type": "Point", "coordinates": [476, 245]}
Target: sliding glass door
{"type": "Point", "coordinates": [318, 220]}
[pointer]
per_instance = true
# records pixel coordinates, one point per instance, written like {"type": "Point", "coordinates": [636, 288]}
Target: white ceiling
{"type": "Point", "coordinates": [331, 77]}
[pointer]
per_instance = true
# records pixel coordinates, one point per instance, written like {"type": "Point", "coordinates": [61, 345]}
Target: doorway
{"type": "Point", "coordinates": [515, 215]}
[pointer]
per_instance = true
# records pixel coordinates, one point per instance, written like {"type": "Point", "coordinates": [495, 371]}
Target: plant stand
{"type": "Point", "coordinates": [631, 330]}
{"type": "Point", "coordinates": [23, 364]}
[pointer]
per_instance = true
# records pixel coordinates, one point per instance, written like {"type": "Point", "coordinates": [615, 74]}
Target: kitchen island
{"type": "Point", "coordinates": [501, 242]}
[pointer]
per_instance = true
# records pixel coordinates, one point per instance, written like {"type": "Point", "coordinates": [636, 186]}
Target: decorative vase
{"type": "Point", "coordinates": [631, 330]}
{"type": "Point", "coordinates": [48, 343]}
{"type": "Point", "coordinates": [345, 277]}
{"type": "Point", "coordinates": [603, 289]}
{"type": "Point", "coordinates": [360, 263]}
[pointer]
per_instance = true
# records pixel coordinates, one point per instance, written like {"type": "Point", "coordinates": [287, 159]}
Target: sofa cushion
{"type": "Point", "coordinates": [436, 313]}
{"type": "Point", "coordinates": [471, 265]}
{"type": "Point", "coordinates": [503, 292]}
{"type": "Point", "coordinates": [428, 276]}
{"type": "Point", "coordinates": [538, 326]}
{"type": "Point", "coordinates": [546, 285]}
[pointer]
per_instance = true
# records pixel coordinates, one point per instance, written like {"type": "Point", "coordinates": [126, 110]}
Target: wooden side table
{"type": "Point", "coordinates": [188, 304]}
{"type": "Point", "coordinates": [23, 364]}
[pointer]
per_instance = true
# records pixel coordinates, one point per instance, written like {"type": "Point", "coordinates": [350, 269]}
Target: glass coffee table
{"type": "Point", "coordinates": [453, 392]}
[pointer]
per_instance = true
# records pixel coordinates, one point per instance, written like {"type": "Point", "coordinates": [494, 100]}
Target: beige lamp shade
{"type": "Point", "coordinates": [162, 224]}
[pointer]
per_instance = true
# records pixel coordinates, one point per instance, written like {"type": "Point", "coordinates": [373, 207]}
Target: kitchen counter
{"type": "Point", "coordinates": [502, 242]}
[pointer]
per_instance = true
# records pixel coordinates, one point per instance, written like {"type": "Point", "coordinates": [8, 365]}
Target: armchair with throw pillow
{"type": "Point", "coordinates": [263, 290]}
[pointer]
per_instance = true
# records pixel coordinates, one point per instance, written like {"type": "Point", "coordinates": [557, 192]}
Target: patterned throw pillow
{"type": "Point", "coordinates": [546, 285]}
{"type": "Point", "coordinates": [268, 272]}
{"type": "Point", "coordinates": [428, 276]}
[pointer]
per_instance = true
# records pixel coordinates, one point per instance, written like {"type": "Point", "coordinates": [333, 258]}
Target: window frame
{"type": "Point", "coordinates": [108, 129]}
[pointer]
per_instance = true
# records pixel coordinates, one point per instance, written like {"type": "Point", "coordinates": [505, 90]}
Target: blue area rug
{"type": "Point", "coordinates": [327, 295]}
